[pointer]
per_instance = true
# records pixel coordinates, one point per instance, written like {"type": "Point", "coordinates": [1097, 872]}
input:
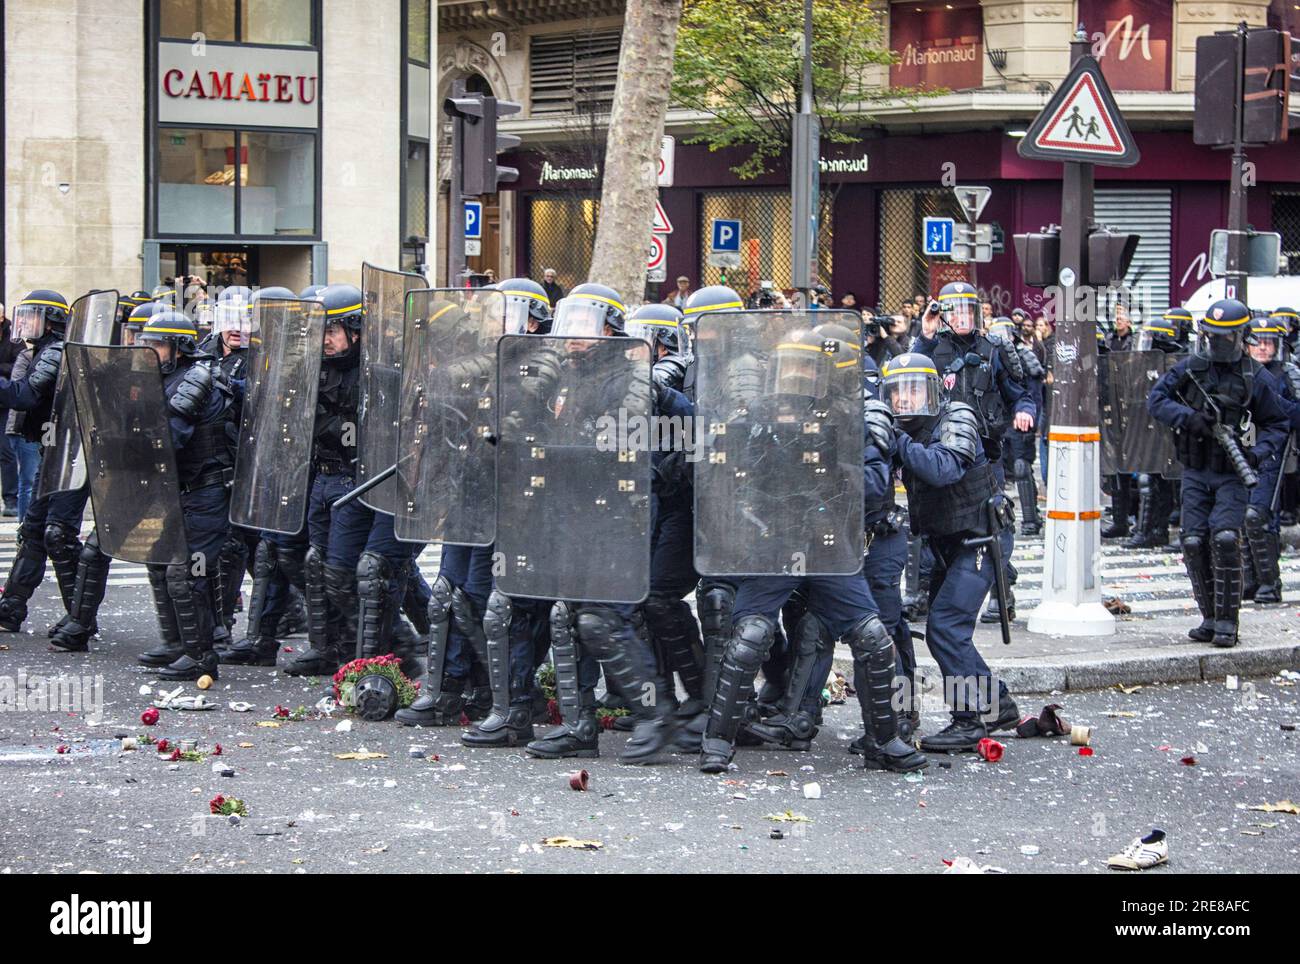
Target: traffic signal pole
{"type": "Point", "coordinates": [1234, 271]}
{"type": "Point", "coordinates": [456, 269]}
{"type": "Point", "coordinates": [1071, 600]}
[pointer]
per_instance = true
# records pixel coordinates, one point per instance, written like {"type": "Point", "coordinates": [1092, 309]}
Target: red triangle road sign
{"type": "Point", "coordinates": [661, 223]}
{"type": "Point", "coordinates": [1081, 123]}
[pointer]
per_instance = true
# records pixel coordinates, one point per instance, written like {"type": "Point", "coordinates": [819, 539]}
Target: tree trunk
{"type": "Point", "coordinates": [636, 128]}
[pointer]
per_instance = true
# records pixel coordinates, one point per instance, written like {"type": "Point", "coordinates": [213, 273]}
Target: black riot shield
{"type": "Point", "coordinates": [573, 468]}
{"type": "Point", "coordinates": [1132, 440]}
{"type": "Point", "coordinates": [383, 294]}
{"type": "Point", "coordinates": [130, 462]}
{"type": "Point", "coordinates": [62, 466]}
{"type": "Point", "coordinates": [779, 481]}
{"type": "Point", "coordinates": [273, 465]}
{"type": "Point", "coordinates": [446, 470]}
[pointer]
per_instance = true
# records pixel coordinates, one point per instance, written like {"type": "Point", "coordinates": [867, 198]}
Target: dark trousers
{"type": "Point", "coordinates": [1212, 502]}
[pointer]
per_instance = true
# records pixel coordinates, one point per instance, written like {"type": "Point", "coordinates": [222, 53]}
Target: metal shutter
{"type": "Point", "coordinates": [1145, 211]}
{"type": "Point", "coordinates": [571, 73]}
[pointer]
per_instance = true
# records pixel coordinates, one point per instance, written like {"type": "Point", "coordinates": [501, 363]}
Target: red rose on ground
{"type": "Point", "coordinates": [162, 746]}
{"type": "Point", "coordinates": [216, 750]}
{"type": "Point", "coordinates": [281, 711]}
{"type": "Point", "coordinates": [990, 750]}
{"type": "Point", "coordinates": [149, 717]}
{"type": "Point", "coordinates": [553, 713]}
{"type": "Point", "coordinates": [175, 757]}
{"type": "Point", "coordinates": [61, 748]}
{"type": "Point", "coordinates": [214, 805]}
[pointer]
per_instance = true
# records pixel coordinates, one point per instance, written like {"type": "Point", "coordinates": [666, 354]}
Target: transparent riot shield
{"type": "Point", "coordinates": [779, 476]}
{"type": "Point", "coordinates": [273, 464]}
{"type": "Point", "coordinates": [573, 468]}
{"type": "Point", "coordinates": [1132, 440]}
{"type": "Point", "coordinates": [130, 462]}
{"type": "Point", "coordinates": [63, 468]}
{"type": "Point", "coordinates": [383, 295]}
{"type": "Point", "coordinates": [446, 469]}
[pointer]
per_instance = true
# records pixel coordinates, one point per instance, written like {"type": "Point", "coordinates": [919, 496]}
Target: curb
{"type": "Point", "coordinates": [1139, 666]}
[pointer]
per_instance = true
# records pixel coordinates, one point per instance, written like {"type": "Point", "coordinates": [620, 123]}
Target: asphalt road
{"type": "Point", "coordinates": [96, 808]}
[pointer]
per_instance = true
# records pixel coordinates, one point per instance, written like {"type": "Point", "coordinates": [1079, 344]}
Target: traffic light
{"type": "Point", "coordinates": [476, 118]}
{"type": "Point", "coordinates": [1267, 87]}
{"type": "Point", "coordinates": [1109, 255]}
{"type": "Point", "coordinates": [972, 243]}
{"type": "Point", "coordinates": [1039, 256]}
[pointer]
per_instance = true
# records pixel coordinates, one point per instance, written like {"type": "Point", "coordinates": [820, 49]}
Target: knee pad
{"type": "Point", "coordinates": [497, 616]}
{"type": "Point", "coordinates": [659, 607]}
{"type": "Point", "coordinates": [374, 576]}
{"type": "Point", "coordinates": [751, 641]}
{"type": "Point", "coordinates": [264, 560]}
{"type": "Point", "coordinates": [61, 543]}
{"type": "Point", "coordinates": [1225, 540]}
{"type": "Point", "coordinates": [597, 629]}
{"type": "Point", "coordinates": [91, 555]}
{"type": "Point", "coordinates": [1021, 469]}
{"type": "Point", "coordinates": [868, 638]}
{"type": "Point", "coordinates": [561, 618]}
{"type": "Point", "coordinates": [715, 608]}
{"type": "Point", "coordinates": [178, 582]}
{"type": "Point", "coordinates": [292, 563]}
{"type": "Point", "coordinates": [440, 603]}
{"type": "Point", "coordinates": [313, 566]}
{"type": "Point", "coordinates": [1255, 519]}
{"type": "Point", "coordinates": [1192, 544]}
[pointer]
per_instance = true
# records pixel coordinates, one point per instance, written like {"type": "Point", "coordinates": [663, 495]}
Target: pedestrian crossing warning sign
{"type": "Point", "coordinates": [1081, 123]}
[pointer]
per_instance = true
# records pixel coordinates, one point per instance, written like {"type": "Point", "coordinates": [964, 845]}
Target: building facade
{"type": "Point", "coordinates": [250, 142]}
{"type": "Point", "coordinates": [998, 61]}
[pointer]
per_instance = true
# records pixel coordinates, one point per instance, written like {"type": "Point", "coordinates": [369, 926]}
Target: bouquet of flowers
{"type": "Point", "coordinates": [386, 668]}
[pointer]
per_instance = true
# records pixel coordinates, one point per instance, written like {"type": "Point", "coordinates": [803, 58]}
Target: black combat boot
{"type": "Point", "coordinates": [170, 649]}
{"type": "Point", "coordinates": [195, 609]}
{"type": "Point", "coordinates": [1226, 555]}
{"type": "Point", "coordinates": [750, 641]}
{"type": "Point", "coordinates": [1196, 559]}
{"type": "Point", "coordinates": [324, 654]}
{"type": "Point", "coordinates": [87, 595]}
{"type": "Point", "coordinates": [510, 722]}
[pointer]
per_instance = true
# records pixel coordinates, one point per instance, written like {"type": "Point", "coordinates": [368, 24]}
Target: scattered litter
{"type": "Point", "coordinates": [415, 752]}
{"type": "Point", "coordinates": [571, 843]}
{"type": "Point", "coordinates": [1127, 690]}
{"type": "Point", "coordinates": [578, 780]}
{"type": "Point", "coordinates": [1143, 853]}
{"type": "Point", "coordinates": [782, 773]}
{"type": "Point", "coordinates": [240, 707]}
{"type": "Point", "coordinates": [914, 777]}
{"type": "Point", "coordinates": [129, 743]}
{"type": "Point", "coordinates": [812, 791]}
{"type": "Point", "coordinates": [990, 750]}
{"type": "Point", "coordinates": [1282, 806]}
{"type": "Point", "coordinates": [1252, 833]}
{"type": "Point", "coordinates": [1080, 735]}
{"type": "Point", "coordinates": [1085, 751]}
{"type": "Point", "coordinates": [359, 755]}
{"type": "Point", "coordinates": [1030, 850]}
{"type": "Point", "coordinates": [244, 746]}
{"type": "Point", "coordinates": [789, 816]}
{"type": "Point", "coordinates": [145, 690]}
{"type": "Point", "coordinates": [1188, 761]}
{"type": "Point", "coordinates": [1121, 714]}
{"type": "Point", "coordinates": [269, 724]}
{"type": "Point", "coordinates": [776, 834]}
{"type": "Point", "coordinates": [1046, 723]}
{"type": "Point", "coordinates": [1230, 682]}
{"type": "Point", "coordinates": [1288, 727]}
{"type": "Point", "coordinates": [343, 726]}
{"type": "Point", "coordinates": [673, 827]}
{"type": "Point", "coordinates": [390, 784]}
{"type": "Point", "coordinates": [964, 865]}
{"type": "Point", "coordinates": [204, 682]}
{"type": "Point", "coordinates": [149, 717]}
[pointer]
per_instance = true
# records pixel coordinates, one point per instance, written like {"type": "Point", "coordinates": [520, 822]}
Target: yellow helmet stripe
{"type": "Point", "coordinates": [920, 370]}
{"type": "Point", "coordinates": [38, 301]}
{"type": "Point", "coordinates": [795, 346]}
{"type": "Point", "coordinates": [442, 311]}
{"type": "Point", "coordinates": [653, 322]}
{"type": "Point", "coordinates": [726, 305]}
{"type": "Point", "coordinates": [1226, 322]}
{"type": "Point", "coordinates": [175, 331]}
{"type": "Point", "coordinates": [960, 294]}
{"type": "Point", "coordinates": [1163, 331]}
{"type": "Point", "coordinates": [530, 294]}
{"type": "Point", "coordinates": [1270, 331]}
{"type": "Point", "coordinates": [345, 310]}
{"type": "Point", "coordinates": [606, 301]}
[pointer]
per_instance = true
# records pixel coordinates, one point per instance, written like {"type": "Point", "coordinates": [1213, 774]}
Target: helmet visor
{"type": "Point", "coordinates": [666, 333]}
{"type": "Point", "coordinates": [28, 323]}
{"type": "Point", "coordinates": [912, 393]}
{"type": "Point", "coordinates": [579, 318]}
{"type": "Point", "coordinates": [798, 369]}
{"type": "Point", "coordinates": [1220, 346]}
{"type": "Point", "coordinates": [1144, 340]}
{"type": "Point", "coordinates": [1266, 347]}
{"type": "Point", "coordinates": [959, 316]}
{"type": "Point", "coordinates": [234, 316]}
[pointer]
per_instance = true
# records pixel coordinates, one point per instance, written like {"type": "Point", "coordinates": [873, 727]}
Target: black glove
{"type": "Point", "coordinates": [879, 420]}
{"type": "Point", "coordinates": [45, 370]}
{"type": "Point", "coordinates": [1197, 424]}
{"type": "Point", "coordinates": [191, 395]}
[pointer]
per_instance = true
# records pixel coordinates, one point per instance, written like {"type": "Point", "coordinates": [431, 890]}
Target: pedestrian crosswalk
{"type": "Point", "coordinates": [1151, 582]}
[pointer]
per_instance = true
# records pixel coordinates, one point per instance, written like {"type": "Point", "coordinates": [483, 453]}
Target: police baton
{"type": "Point", "coordinates": [994, 546]}
{"type": "Point", "coordinates": [365, 487]}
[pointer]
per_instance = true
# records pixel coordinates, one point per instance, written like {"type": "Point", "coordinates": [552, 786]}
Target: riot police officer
{"type": "Point", "coordinates": [1211, 400]}
{"type": "Point", "coordinates": [1168, 334]}
{"type": "Point", "coordinates": [1022, 444]}
{"type": "Point", "coordinates": [201, 411]}
{"type": "Point", "coordinates": [1289, 319]}
{"type": "Point", "coordinates": [53, 523]}
{"type": "Point", "coordinates": [604, 633]}
{"type": "Point", "coordinates": [980, 374]}
{"type": "Point", "coordinates": [953, 497]}
{"type": "Point", "coordinates": [1263, 579]}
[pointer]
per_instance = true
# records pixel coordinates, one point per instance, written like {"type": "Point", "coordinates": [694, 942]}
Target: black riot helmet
{"type": "Point", "coordinates": [660, 325]}
{"type": "Point", "coordinates": [343, 308]}
{"type": "Point", "coordinates": [712, 298]}
{"type": "Point", "coordinates": [959, 308]}
{"type": "Point", "coordinates": [527, 304]}
{"type": "Point", "coordinates": [234, 312]}
{"type": "Point", "coordinates": [128, 303]}
{"type": "Point", "coordinates": [1289, 318]}
{"type": "Point", "coordinates": [1267, 341]}
{"type": "Point", "coordinates": [174, 328]}
{"type": "Point", "coordinates": [803, 365]}
{"type": "Point", "coordinates": [587, 309]}
{"type": "Point", "coordinates": [910, 384]}
{"type": "Point", "coordinates": [845, 351]}
{"type": "Point", "coordinates": [1003, 331]}
{"type": "Point", "coordinates": [137, 319]}
{"type": "Point", "coordinates": [41, 311]}
{"type": "Point", "coordinates": [311, 292]}
{"type": "Point", "coordinates": [1223, 331]}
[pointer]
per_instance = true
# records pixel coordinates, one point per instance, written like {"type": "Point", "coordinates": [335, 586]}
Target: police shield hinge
{"type": "Point", "coordinates": [537, 452]}
{"type": "Point", "coordinates": [626, 455]}
{"type": "Point", "coordinates": [627, 485]}
{"type": "Point", "coordinates": [537, 482]}
{"type": "Point", "coordinates": [812, 428]}
{"type": "Point", "coordinates": [811, 458]}
{"type": "Point", "coordinates": [718, 428]}
{"type": "Point", "coordinates": [717, 458]}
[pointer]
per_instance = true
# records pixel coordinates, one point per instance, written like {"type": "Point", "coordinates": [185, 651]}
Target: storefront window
{"type": "Point", "coordinates": [766, 242]}
{"type": "Point", "coordinates": [278, 184]}
{"type": "Point", "coordinates": [417, 189]}
{"type": "Point", "coordinates": [904, 271]}
{"type": "Point", "coordinates": [196, 181]}
{"type": "Point", "coordinates": [417, 30]}
{"type": "Point", "coordinates": [275, 22]}
{"type": "Point", "coordinates": [183, 19]}
{"type": "Point", "coordinates": [562, 235]}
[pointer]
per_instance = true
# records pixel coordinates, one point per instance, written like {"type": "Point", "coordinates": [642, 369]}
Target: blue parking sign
{"type": "Point", "coordinates": [726, 235]}
{"type": "Point", "coordinates": [936, 237]}
{"type": "Point", "coordinates": [473, 220]}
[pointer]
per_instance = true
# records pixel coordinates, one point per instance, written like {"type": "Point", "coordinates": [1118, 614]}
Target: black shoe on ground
{"type": "Point", "coordinates": [446, 709]}
{"type": "Point", "coordinates": [1202, 633]}
{"type": "Point", "coordinates": [582, 740]}
{"type": "Point", "coordinates": [513, 729]}
{"type": "Point", "coordinates": [1269, 595]}
{"type": "Point", "coordinates": [72, 637]}
{"type": "Point", "coordinates": [962, 735]}
{"type": "Point", "coordinates": [648, 740]}
{"type": "Point", "coordinates": [895, 756]}
{"type": "Point", "coordinates": [188, 667]}
{"type": "Point", "coordinates": [793, 732]}
{"type": "Point", "coordinates": [160, 655]}
{"type": "Point", "coordinates": [1006, 718]}
{"type": "Point", "coordinates": [249, 652]}
{"type": "Point", "coordinates": [312, 662]}
{"type": "Point", "coordinates": [715, 755]}
{"type": "Point", "coordinates": [1115, 530]}
{"type": "Point", "coordinates": [1225, 635]}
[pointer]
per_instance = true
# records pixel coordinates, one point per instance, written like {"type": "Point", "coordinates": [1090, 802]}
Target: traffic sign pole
{"type": "Point", "coordinates": [1071, 600]}
{"type": "Point", "coordinates": [1234, 285]}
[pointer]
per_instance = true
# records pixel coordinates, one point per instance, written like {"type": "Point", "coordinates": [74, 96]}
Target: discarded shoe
{"type": "Point", "coordinates": [1143, 853]}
